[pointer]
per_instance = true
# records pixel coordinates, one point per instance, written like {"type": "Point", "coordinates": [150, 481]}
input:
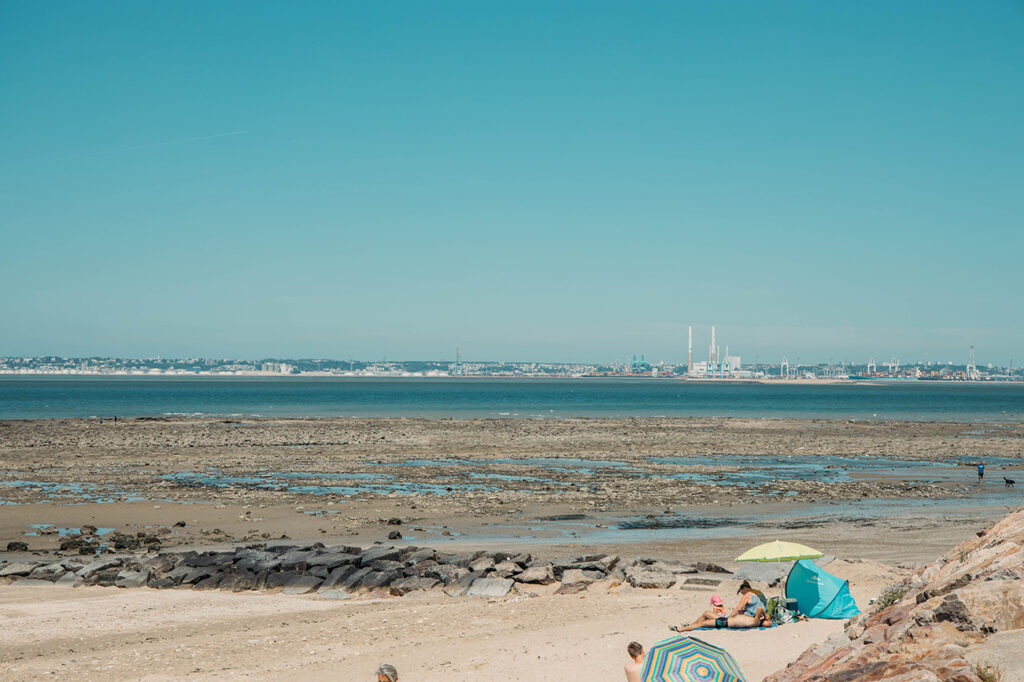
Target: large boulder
{"type": "Point", "coordinates": [332, 560]}
{"type": "Point", "coordinates": [335, 578]}
{"type": "Point", "coordinates": [130, 578]}
{"type": "Point", "coordinates": [576, 575]}
{"type": "Point", "coordinates": [537, 574]}
{"type": "Point", "coordinates": [446, 573]}
{"type": "Point", "coordinates": [460, 586]}
{"type": "Point", "coordinates": [639, 575]}
{"type": "Point", "coordinates": [353, 580]}
{"type": "Point", "coordinates": [48, 572]}
{"type": "Point", "coordinates": [375, 579]}
{"type": "Point", "coordinates": [406, 585]}
{"type": "Point", "coordinates": [16, 569]}
{"type": "Point", "coordinates": [96, 566]}
{"type": "Point", "coordinates": [489, 587]}
{"type": "Point", "coordinates": [378, 553]}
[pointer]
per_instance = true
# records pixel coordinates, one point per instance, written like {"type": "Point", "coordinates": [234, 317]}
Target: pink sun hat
{"type": "Point", "coordinates": [716, 600]}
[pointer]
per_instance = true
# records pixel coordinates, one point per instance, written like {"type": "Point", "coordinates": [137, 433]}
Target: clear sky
{"type": "Point", "coordinates": [532, 181]}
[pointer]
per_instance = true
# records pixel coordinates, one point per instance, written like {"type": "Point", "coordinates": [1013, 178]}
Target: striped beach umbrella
{"type": "Point", "coordinates": [688, 659]}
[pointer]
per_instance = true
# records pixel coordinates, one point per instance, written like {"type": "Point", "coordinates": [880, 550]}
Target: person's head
{"type": "Point", "coordinates": [745, 587]}
{"type": "Point", "coordinates": [635, 651]}
{"type": "Point", "coordinates": [387, 673]}
{"type": "Point", "coordinates": [716, 600]}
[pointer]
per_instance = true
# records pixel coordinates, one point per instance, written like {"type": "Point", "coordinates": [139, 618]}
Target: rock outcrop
{"type": "Point", "coordinates": [939, 615]}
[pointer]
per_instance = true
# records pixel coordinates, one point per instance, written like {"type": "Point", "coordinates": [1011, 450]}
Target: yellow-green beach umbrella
{"type": "Point", "coordinates": [780, 551]}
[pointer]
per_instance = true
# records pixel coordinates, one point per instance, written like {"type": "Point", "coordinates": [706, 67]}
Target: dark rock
{"type": "Point", "coordinates": [461, 560]}
{"type": "Point", "coordinates": [337, 576]}
{"type": "Point", "coordinates": [162, 563]}
{"type": "Point", "coordinates": [48, 572]}
{"type": "Point", "coordinates": [406, 585]}
{"type": "Point", "coordinates": [386, 565]}
{"type": "Point", "coordinates": [98, 565]}
{"type": "Point", "coordinates": [16, 569]}
{"type": "Point", "coordinates": [446, 573]}
{"type": "Point", "coordinates": [177, 574]}
{"type": "Point", "coordinates": [296, 559]}
{"type": "Point", "coordinates": [84, 549]}
{"type": "Point", "coordinates": [953, 610]}
{"type": "Point", "coordinates": [253, 560]}
{"type": "Point", "coordinates": [537, 574]}
{"type": "Point", "coordinates": [73, 543]}
{"type": "Point", "coordinates": [17, 546]}
{"type": "Point", "coordinates": [489, 587]}
{"type": "Point", "coordinates": [394, 535]}
{"type": "Point", "coordinates": [130, 578]}
{"type": "Point", "coordinates": [420, 555]}
{"type": "Point", "coordinates": [344, 549]}
{"type": "Point", "coordinates": [180, 524]}
{"type": "Point", "coordinates": [241, 581]}
{"type": "Point", "coordinates": [705, 567]}
{"type": "Point", "coordinates": [642, 576]}
{"type": "Point", "coordinates": [375, 579]}
{"type": "Point", "coordinates": [197, 574]}
{"type": "Point", "coordinates": [123, 541]}
{"type": "Point", "coordinates": [394, 522]}
{"type": "Point", "coordinates": [161, 583]}
{"type": "Point", "coordinates": [421, 567]}
{"type": "Point", "coordinates": [104, 578]}
{"type": "Point", "coordinates": [206, 559]}
{"type": "Point", "coordinates": [210, 583]}
{"type": "Point", "coordinates": [353, 580]}
{"type": "Point", "coordinates": [507, 569]}
{"type": "Point", "coordinates": [331, 560]}
{"type": "Point", "coordinates": [377, 553]}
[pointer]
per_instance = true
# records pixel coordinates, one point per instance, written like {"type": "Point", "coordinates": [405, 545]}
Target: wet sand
{"type": "Point", "coordinates": [879, 488]}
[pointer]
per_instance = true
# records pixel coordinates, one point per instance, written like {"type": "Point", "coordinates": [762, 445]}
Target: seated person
{"type": "Point", "coordinates": [749, 613]}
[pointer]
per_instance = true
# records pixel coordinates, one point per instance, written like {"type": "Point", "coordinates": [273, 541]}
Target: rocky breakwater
{"type": "Point", "coordinates": [936, 625]}
{"type": "Point", "coordinates": [338, 571]}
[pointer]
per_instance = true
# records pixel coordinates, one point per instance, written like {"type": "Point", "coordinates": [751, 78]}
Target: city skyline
{"type": "Point", "coordinates": [570, 182]}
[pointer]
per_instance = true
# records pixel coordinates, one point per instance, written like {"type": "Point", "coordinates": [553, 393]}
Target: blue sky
{"type": "Point", "coordinates": [546, 181]}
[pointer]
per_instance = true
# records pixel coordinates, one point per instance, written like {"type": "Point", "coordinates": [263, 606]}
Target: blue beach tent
{"type": "Point", "coordinates": [819, 594]}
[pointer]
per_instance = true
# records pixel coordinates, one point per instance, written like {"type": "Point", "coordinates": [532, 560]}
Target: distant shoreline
{"type": "Point", "coordinates": [881, 381]}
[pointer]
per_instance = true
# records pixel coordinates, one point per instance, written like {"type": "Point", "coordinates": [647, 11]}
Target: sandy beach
{"type": "Point", "coordinates": [170, 634]}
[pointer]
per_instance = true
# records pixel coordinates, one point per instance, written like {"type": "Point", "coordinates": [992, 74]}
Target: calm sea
{"type": "Point", "coordinates": [52, 397]}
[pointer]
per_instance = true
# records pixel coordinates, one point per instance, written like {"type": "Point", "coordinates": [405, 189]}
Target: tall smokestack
{"type": "Point", "coordinates": [689, 353]}
{"type": "Point", "coordinates": [711, 351]}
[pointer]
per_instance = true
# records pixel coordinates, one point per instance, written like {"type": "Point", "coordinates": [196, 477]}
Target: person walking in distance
{"type": "Point", "coordinates": [981, 472]}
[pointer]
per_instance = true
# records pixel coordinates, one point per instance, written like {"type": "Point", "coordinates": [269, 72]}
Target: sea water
{"type": "Point", "coordinates": [44, 397]}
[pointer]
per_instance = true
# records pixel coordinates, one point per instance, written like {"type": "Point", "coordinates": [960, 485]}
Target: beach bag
{"type": "Point", "coordinates": [783, 615]}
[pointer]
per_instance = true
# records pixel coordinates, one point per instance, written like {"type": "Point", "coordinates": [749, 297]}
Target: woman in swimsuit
{"type": "Point", "coordinates": [749, 613]}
